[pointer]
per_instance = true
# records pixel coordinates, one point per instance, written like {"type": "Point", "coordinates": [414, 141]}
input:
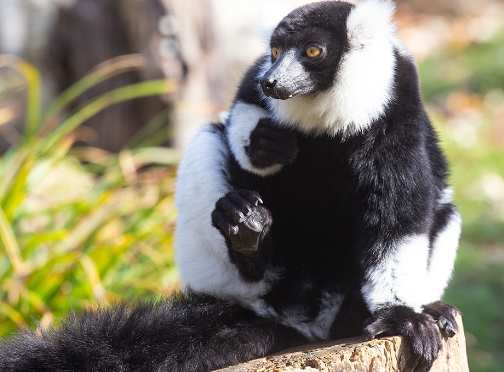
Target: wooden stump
{"type": "Point", "coordinates": [381, 355]}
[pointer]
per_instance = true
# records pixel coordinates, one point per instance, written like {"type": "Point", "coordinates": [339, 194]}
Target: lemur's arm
{"type": "Point", "coordinates": [259, 144]}
{"type": "Point", "coordinates": [261, 147]}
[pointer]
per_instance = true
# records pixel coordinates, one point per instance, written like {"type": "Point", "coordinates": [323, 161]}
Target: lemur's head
{"type": "Point", "coordinates": [331, 65]}
{"type": "Point", "coordinates": [306, 48]}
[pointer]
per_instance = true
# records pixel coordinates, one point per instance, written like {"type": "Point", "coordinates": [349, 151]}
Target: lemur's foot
{"type": "Point", "coordinates": [271, 144]}
{"type": "Point", "coordinates": [445, 315]}
{"type": "Point", "coordinates": [242, 219]}
{"type": "Point", "coordinates": [419, 329]}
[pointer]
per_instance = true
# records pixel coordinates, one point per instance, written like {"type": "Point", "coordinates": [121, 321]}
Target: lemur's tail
{"type": "Point", "coordinates": [183, 333]}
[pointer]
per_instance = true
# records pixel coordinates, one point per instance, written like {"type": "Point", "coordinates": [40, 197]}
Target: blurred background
{"type": "Point", "coordinates": [98, 98]}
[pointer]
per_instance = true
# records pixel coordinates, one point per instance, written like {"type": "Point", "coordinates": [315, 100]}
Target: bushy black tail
{"type": "Point", "coordinates": [183, 333]}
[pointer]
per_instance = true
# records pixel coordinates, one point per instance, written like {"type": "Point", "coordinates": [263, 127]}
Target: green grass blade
{"type": "Point", "coordinates": [10, 170]}
{"type": "Point", "coordinates": [11, 245]}
{"type": "Point", "coordinates": [155, 132]}
{"type": "Point", "coordinates": [15, 192]}
{"type": "Point", "coordinates": [12, 314]}
{"type": "Point", "coordinates": [32, 77]}
{"type": "Point", "coordinates": [156, 155]}
{"type": "Point", "coordinates": [138, 90]}
{"type": "Point", "coordinates": [93, 277]}
{"type": "Point", "coordinates": [103, 71]}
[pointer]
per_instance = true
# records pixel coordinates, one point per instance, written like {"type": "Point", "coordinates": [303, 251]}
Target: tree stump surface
{"type": "Point", "coordinates": [388, 354]}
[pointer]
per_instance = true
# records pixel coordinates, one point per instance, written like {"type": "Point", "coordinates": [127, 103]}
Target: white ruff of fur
{"type": "Point", "coordinates": [363, 85]}
{"type": "Point", "coordinates": [270, 17]}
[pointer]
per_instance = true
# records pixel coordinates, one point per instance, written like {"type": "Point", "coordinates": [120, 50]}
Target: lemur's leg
{"type": "Point", "coordinates": [401, 271]}
{"type": "Point", "coordinates": [442, 255]}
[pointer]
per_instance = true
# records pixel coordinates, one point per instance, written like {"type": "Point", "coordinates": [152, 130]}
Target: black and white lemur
{"type": "Point", "coordinates": [319, 209]}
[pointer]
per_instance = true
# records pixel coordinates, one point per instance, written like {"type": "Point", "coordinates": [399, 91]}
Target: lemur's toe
{"type": "Point", "coordinates": [445, 315]}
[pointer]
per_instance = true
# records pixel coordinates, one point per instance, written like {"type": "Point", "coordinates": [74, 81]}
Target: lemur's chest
{"type": "Point", "coordinates": [312, 201]}
{"type": "Point", "coordinates": [319, 177]}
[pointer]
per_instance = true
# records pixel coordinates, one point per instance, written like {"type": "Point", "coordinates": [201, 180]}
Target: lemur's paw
{"type": "Point", "coordinates": [242, 219]}
{"type": "Point", "coordinates": [271, 144]}
{"type": "Point", "coordinates": [445, 315]}
{"type": "Point", "coordinates": [419, 329]}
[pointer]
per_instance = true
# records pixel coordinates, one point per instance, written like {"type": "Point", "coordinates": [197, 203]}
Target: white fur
{"type": "Point", "coordinates": [242, 121]}
{"type": "Point", "coordinates": [295, 317]}
{"type": "Point", "coordinates": [363, 85]}
{"type": "Point", "coordinates": [444, 251]}
{"type": "Point", "coordinates": [446, 196]}
{"type": "Point", "coordinates": [369, 21]}
{"type": "Point", "coordinates": [401, 277]}
{"type": "Point", "coordinates": [402, 49]}
{"type": "Point", "coordinates": [318, 328]}
{"type": "Point", "coordinates": [270, 17]}
{"type": "Point", "coordinates": [201, 251]}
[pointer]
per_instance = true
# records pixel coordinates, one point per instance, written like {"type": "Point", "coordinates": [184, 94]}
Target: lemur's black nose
{"type": "Point", "coordinates": [268, 85]}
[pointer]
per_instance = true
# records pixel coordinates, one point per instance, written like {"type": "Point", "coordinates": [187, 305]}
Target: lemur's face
{"type": "Point", "coordinates": [306, 48]}
{"type": "Point", "coordinates": [338, 61]}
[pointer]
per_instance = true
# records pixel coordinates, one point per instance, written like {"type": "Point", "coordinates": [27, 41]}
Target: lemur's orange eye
{"type": "Point", "coordinates": [275, 52]}
{"type": "Point", "coordinates": [313, 52]}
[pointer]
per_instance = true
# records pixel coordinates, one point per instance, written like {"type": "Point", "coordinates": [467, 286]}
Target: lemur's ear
{"type": "Point", "coordinates": [270, 17]}
{"type": "Point", "coordinates": [370, 20]}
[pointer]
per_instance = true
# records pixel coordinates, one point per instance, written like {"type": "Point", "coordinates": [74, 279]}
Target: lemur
{"type": "Point", "coordinates": [319, 209]}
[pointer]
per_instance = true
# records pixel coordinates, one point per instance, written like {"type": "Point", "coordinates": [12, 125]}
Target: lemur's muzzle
{"type": "Point", "coordinates": [271, 87]}
{"type": "Point", "coordinates": [268, 86]}
{"type": "Point", "coordinates": [285, 78]}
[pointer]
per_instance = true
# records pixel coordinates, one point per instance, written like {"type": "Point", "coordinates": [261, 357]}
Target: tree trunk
{"type": "Point", "coordinates": [93, 31]}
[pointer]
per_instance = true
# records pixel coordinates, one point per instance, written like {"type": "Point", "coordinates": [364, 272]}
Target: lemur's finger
{"type": "Point", "coordinates": [221, 221]}
{"type": "Point", "coordinates": [242, 203]}
{"type": "Point", "coordinates": [230, 210]}
{"type": "Point", "coordinates": [252, 196]}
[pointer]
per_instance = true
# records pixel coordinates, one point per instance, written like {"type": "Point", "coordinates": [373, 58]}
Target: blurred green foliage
{"type": "Point", "coordinates": [464, 90]}
{"type": "Point", "coordinates": [475, 68]}
{"type": "Point", "coordinates": [81, 226]}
